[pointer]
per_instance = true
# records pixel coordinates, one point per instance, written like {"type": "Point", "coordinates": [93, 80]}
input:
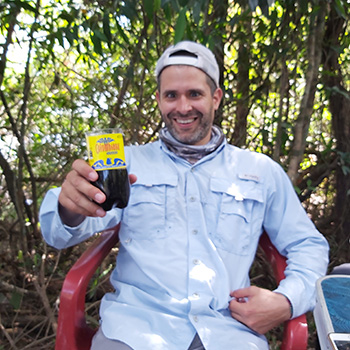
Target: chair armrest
{"type": "Point", "coordinates": [295, 333]}
{"type": "Point", "coordinates": [72, 331]}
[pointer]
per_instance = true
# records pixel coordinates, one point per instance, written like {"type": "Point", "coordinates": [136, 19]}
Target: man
{"type": "Point", "coordinates": [190, 232]}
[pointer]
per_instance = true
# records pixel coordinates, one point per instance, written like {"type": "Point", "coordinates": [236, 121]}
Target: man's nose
{"type": "Point", "coordinates": [184, 105]}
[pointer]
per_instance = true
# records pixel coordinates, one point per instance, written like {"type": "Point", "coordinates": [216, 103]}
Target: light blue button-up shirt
{"type": "Point", "coordinates": [188, 238]}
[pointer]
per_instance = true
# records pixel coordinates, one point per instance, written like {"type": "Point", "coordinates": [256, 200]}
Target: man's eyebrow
{"type": "Point", "coordinates": [169, 91]}
{"type": "Point", "coordinates": [197, 90]}
{"type": "Point", "coordinates": [174, 91]}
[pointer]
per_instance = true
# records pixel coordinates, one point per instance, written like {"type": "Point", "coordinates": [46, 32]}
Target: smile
{"type": "Point", "coordinates": [185, 121]}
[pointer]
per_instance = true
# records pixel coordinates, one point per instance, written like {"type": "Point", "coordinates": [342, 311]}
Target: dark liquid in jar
{"type": "Point", "coordinates": [115, 185]}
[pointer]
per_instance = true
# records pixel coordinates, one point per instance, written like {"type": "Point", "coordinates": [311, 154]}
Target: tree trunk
{"type": "Point", "coordinates": [284, 87]}
{"type": "Point", "coordinates": [339, 104]}
{"type": "Point", "coordinates": [302, 124]}
{"type": "Point", "coordinates": [217, 32]}
{"type": "Point", "coordinates": [242, 93]}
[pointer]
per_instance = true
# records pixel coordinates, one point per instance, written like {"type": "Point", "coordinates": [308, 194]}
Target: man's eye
{"type": "Point", "coordinates": [170, 95]}
{"type": "Point", "coordinates": [195, 94]}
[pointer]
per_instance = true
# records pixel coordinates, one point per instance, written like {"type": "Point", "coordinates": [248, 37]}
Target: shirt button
{"type": "Point", "coordinates": [195, 295]}
{"type": "Point", "coordinates": [196, 261]}
{"type": "Point", "coordinates": [192, 199]}
{"type": "Point", "coordinates": [194, 232]}
{"type": "Point", "coordinates": [195, 318]}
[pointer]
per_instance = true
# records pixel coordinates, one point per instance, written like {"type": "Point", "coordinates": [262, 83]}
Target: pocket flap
{"type": "Point", "coordinates": [241, 189]}
{"type": "Point", "coordinates": [151, 188]}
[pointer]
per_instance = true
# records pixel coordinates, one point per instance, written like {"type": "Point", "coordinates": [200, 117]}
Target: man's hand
{"type": "Point", "coordinates": [78, 196]}
{"type": "Point", "coordinates": [259, 309]}
{"type": "Point", "coordinates": [77, 193]}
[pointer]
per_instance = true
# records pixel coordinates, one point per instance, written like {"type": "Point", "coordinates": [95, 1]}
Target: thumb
{"type": "Point", "coordinates": [242, 294]}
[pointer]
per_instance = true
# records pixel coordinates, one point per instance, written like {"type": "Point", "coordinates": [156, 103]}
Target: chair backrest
{"type": "Point", "coordinates": [72, 331]}
{"type": "Point", "coordinates": [74, 334]}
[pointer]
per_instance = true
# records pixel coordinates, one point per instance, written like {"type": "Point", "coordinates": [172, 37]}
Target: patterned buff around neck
{"type": "Point", "coordinates": [192, 153]}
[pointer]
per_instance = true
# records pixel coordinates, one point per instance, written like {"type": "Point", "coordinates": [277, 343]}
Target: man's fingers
{"type": "Point", "coordinates": [88, 209]}
{"type": "Point", "coordinates": [77, 195]}
{"type": "Point", "coordinates": [132, 178]}
{"type": "Point", "coordinates": [76, 187]}
{"type": "Point", "coordinates": [83, 169]}
{"type": "Point", "coordinates": [263, 310]}
{"type": "Point", "coordinates": [242, 293]}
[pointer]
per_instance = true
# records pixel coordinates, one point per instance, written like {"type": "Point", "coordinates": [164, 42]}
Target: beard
{"type": "Point", "coordinates": [202, 130]}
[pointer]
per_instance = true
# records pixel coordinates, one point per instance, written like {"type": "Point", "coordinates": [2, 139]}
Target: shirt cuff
{"type": "Point", "coordinates": [290, 303]}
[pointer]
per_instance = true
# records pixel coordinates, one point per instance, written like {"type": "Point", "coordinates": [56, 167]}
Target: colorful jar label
{"type": "Point", "coordinates": [106, 151]}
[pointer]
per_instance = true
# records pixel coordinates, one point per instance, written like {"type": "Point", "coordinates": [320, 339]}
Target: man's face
{"type": "Point", "coordinates": [187, 104]}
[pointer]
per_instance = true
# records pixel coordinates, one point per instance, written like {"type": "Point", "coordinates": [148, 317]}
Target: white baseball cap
{"type": "Point", "coordinates": [189, 53]}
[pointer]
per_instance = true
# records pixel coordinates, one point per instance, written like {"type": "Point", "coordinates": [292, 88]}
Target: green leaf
{"type": "Point", "coordinates": [16, 299]}
{"type": "Point", "coordinates": [92, 320]}
{"type": "Point", "coordinates": [100, 35]}
{"type": "Point", "coordinates": [25, 5]}
{"type": "Point", "coordinates": [149, 8]}
{"type": "Point", "coordinates": [36, 259]}
{"type": "Point", "coordinates": [197, 12]}
{"type": "Point", "coordinates": [339, 7]}
{"type": "Point", "coordinates": [121, 32]}
{"type": "Point", "coordinates": [65, 15]}
{"type": "Point", "coordinates": [180, 25]}
{"type": "Point", "coordinates": [129, 10]}
{"type": "Point", "coordinates": [69, 35]}
{"type": "Point", "coordinates": [97, 44]}
{"type": "Point", "coordinates": [59, 37]}
{"type": "Point", "coordinates": [170, 4]}
{"type": "Point", "coordinates": [167, 11]}
{"type": "Point", "coordinates": [20, 255]}
{"type": "Point", "coordinates": [107, 27]}
{"type": "Point", "coordinates": [156, 5]}
{"type": "Point", "coordinates": [183, 3]}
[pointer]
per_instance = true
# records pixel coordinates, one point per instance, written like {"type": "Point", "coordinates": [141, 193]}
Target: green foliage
{"type": "Point", "coordinates": [88, 64]}
{"type": "Point", "coordinates": [101, 274]}
{"type": "Point", "coordinates": [16, 299]}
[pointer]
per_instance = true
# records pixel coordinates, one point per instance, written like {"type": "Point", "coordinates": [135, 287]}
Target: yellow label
{"type": "Point", "coordinates": [106, 151]}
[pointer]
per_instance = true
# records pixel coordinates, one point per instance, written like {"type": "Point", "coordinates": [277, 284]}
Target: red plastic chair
{"type": "Point", "coordinates": [74, 334]}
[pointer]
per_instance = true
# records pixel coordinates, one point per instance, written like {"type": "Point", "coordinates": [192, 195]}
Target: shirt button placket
{"type": "Point", "coordinates": [194, 211]}
{"type": "Point", "coordinates": [196, 261]}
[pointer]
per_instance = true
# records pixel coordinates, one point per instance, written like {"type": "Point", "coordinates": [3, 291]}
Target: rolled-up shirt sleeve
{"type": "Point", "coordinates": [297, 238]}
{"type": "Point", "coordinates": [60, 236]}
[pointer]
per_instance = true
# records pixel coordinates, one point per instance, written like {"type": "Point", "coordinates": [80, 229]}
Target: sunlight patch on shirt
{"type": "Point", "coordinates": [158, 343]}
{"type": "Point", "coordinates": [234, 190]}
{"type": "Point", "coordinates": [202, 273]}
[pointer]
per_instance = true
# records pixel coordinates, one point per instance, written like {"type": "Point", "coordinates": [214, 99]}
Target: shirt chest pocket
{"type": "Point", "coordinates": [150, 200]}
{"type": "Point", "coordinates": [240, 214]}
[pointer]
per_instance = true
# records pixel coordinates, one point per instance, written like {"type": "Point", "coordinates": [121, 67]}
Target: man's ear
{"type": "Point", "coordinates": [158, 96]}
{"type": "Point", "coordinates": [217, 96]}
